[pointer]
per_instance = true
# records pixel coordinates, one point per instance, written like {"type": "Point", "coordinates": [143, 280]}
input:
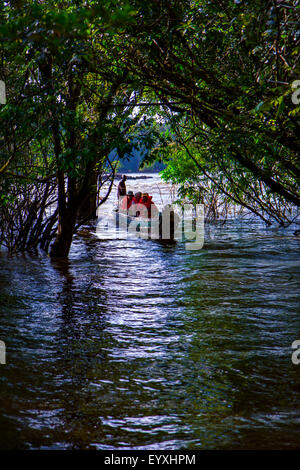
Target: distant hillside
{"type": "Point", "coordinates": [132, 163]}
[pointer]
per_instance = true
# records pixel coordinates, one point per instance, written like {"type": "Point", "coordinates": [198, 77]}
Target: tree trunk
{"type": "Point", "coordinates": [63, 241]}
{"type": "Point", "coordinates": [88, 208]}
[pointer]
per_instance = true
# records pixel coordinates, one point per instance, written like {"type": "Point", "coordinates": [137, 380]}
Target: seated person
{"type": "Point", "coordinates": [151, 207]}
{"type": "Point", "coordinates": [137, 198]}
{"type": "Point", "coordinates": [127, 201]}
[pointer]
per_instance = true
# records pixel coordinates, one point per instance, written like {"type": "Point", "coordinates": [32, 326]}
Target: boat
{"type": "Point", "coordinates": [150, 228]}
{"type": "Point", "coordinates": [123, 219]}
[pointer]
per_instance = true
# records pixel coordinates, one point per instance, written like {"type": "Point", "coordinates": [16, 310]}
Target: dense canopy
{"type": "Point", "coordinates": [209, 87]}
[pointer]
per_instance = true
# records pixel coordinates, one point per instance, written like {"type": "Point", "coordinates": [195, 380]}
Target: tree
{"type": "Point", "coordinates": [62, 102]}
{"type": "Point", "coordinates": [80, 76]}
{"type": "Point", "coordinates": [228, 68]}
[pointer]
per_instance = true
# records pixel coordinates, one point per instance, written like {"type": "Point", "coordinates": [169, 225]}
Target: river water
{"type": "Point", "coordinates": [132, 344]}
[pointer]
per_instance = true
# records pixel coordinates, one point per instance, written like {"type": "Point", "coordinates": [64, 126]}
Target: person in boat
{"type": "Point", "coordinates": [137, 198]}
{"type": "Point", "coordinates": [127, 201]}
{"type": "Point", "coordinates": [122, 187]}
{"type": "Point", "coordinates": [146, 200]}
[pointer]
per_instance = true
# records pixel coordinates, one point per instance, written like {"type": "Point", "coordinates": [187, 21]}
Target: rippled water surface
{"type": "Point", "coordinates": [137, 345]}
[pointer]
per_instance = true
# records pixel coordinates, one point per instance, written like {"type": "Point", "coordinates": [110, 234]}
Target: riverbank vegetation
{"type": "Point", "coordinates": [208, 87]}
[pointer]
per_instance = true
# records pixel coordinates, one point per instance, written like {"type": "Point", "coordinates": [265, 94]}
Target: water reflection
{"type": "Point", "coordinates": [132, 344]}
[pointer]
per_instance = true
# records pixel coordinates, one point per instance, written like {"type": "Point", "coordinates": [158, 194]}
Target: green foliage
{"type": "Point", "coordinates": [225, 70]}
{"type": "Point", "coordinates": [203, 86]}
